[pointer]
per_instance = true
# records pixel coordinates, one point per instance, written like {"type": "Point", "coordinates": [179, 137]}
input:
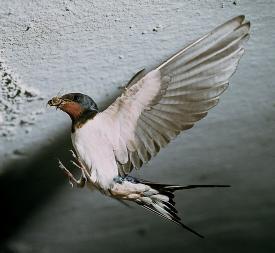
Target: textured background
{"type": "Point", "coordinates": [49, 47]}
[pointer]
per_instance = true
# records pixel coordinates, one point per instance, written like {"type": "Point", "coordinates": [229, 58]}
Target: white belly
{"type": "Point", "coordinates": [95, 150]}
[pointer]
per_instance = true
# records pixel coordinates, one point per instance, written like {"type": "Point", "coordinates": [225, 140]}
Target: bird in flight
{"type": "Point", "coordinates": [152, 110]}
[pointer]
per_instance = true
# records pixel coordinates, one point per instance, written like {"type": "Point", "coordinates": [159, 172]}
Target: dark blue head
{"type": "Point", "coordinates": [78, 106]}
{"type": "Point", "coordinates": [83, 100]}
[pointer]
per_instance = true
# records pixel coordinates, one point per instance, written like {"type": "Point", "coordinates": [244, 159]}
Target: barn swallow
{"type": "Point", "coordinates": [153, 109]}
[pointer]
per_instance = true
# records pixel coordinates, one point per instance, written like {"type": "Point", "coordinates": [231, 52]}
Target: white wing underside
{"type": "Point", "coordinates": [171, 98]}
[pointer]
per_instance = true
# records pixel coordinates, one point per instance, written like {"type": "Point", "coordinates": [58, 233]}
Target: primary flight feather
{"type": "Point", "coordinates": [154, 108]}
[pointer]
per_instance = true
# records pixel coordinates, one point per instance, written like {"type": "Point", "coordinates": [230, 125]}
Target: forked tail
{"type": "Point", "coordinates": [161, 201]}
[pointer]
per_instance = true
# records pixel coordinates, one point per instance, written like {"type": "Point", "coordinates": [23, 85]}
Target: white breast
{"type": "Point", "coordinates": [94, 147]}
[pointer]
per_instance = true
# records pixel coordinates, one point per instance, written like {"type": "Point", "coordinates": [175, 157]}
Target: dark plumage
{"type": "Point", "coordinates": [86, 102]}
{"type": "Point", "coordinates": [78, 106]}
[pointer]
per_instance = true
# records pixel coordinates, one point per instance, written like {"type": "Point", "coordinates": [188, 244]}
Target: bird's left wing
{"type": "Point", "coordinates": [175, 95]}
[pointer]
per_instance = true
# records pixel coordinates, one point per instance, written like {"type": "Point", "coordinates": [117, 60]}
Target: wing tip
{"type": "Point", "coordinates": [248, 24]}
{"type": "Point", "coordinates": [241, 18]}
{"type": "Point", "coordinates": [244, 22]}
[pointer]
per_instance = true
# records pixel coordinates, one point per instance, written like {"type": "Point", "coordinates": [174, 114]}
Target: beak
{"type": "Point", "coordinates": [55, 101]}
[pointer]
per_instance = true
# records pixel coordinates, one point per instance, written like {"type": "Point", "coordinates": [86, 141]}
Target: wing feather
{"type": "Point", "coordinates": [174, 96]}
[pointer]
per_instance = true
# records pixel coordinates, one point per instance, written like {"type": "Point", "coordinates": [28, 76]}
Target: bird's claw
{"type": "Point", "coordinates": [73, 154]}
{"type": "Point", "coordinates": [71, 183]}
{"type": "Point", "coordinates": [76, 165]}
{"type": "Point", "coordinates": [72, 180]}
{"type": "Point", "coordinates": [79, 164]}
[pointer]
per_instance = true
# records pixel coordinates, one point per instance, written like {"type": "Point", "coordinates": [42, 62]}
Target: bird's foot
{"type": "Point", "coordinates": [79, 165]}
{"type": "Point", "coordinates": [72, 180]}
{"type": "Point", "coordinates": [73, 154]}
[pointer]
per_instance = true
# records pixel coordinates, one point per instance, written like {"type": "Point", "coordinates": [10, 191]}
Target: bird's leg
{"type": "Point", "coordinates": [72, 180]}
{"type": "Point", "coordinates": [80, 165]}
{"type": "Point", "coordinates": [83, 177]}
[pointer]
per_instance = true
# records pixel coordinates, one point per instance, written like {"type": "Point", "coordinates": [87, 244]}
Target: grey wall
{"type": "Point", "coordinates": [94, 47]}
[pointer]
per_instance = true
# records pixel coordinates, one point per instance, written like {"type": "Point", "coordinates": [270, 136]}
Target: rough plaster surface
{"type": "Point", "coordinates": [13, 102]}
{"type": "Point", "coordinates": [94, 47]}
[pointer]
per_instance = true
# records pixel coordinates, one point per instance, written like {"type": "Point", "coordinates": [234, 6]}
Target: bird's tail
{"type": "Point", "coordinates": [160, 200]}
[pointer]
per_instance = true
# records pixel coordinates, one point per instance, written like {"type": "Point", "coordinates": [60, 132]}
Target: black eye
{"type": "Point", "coordinates": [76, 98]}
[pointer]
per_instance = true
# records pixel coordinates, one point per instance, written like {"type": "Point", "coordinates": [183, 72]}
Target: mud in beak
{"type": "Point", "coordinates": [55, 101]}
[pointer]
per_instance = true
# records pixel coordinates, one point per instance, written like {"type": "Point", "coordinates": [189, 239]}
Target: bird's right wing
{"type": "Point", "coordinates": [172, 97]}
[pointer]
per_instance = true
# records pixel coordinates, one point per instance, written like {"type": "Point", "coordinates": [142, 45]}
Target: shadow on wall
{"type": "Point", "coordinates": [28, 184]}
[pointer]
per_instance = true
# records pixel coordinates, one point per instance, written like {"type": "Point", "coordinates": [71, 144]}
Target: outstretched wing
{"type": "Point", "coordinates": [178, 93]}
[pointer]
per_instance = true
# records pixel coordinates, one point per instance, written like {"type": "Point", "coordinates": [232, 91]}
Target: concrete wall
{"type": "Point", "coordinates": [94, 47]}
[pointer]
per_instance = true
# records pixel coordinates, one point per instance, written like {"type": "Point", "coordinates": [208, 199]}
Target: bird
{"type": "Point", "coordinates": [154, 108]}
